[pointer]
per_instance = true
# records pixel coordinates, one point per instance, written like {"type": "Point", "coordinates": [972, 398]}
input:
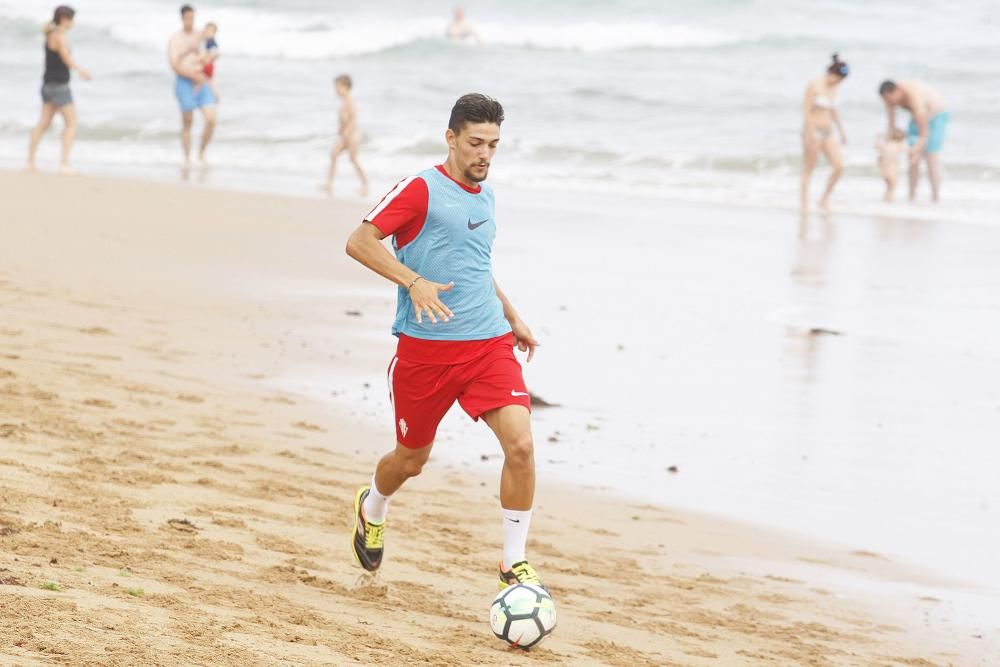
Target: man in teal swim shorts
{"type": "Point", "coordinates": [191, 86]}
{"type": "Point", "coordinates": [928, 122]}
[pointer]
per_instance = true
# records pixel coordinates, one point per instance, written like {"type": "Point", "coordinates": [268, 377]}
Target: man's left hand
{"type": "Point", "coordinates": [523, 339]}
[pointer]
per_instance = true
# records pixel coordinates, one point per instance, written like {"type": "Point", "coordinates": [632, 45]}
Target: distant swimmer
{"type": "Point", "coordinates": [928, 122]}
{"type": "Point", "coordinates": [460, 30]}
{"type": "Point", "coordinates": [56, 95]}
{"type": "Point", "coordinates": [183, 55]}
{"type": "Point", "coordinates": [820, 111]}
{"type": "Point", "coordinates": [889, 149]}
{"type": "Point", "coordinates": [349, 134]}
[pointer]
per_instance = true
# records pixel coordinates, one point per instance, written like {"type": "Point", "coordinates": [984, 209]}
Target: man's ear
{"type": "Point", "coordinates": [451, 138]}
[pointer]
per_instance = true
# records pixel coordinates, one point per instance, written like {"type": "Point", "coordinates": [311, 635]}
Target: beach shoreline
{"type": "Point", "coordinates": [144, 327]}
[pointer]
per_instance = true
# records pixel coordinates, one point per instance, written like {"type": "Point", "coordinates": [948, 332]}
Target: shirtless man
{"type": "Point", "coordinates": [350, 135]}
{"type": "Point", "coordinates": [928, 122]}
{"type": "Point", "coordinates": [182, 53]}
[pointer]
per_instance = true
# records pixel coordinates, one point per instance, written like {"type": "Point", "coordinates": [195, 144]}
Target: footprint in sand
{"type": "Point", "coordinates": [306, 426]}
{"type": "Point", "coordinates": [99, 403]}
{"type": "Point", "coordinates": [190, 398]}
{"type": "Point", "coordinates": [95, 331]}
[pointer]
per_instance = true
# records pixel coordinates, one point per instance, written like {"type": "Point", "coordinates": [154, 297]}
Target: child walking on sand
{"type": "Point", "coordinates": [349, 135]}
{"type": "Point", "coordinates": [889, 149]}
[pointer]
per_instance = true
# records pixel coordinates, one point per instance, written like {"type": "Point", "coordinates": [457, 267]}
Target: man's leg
{"type": "Point", "coordinates": [187, 117]}
{"type": "Point", "coordinates": [398, 466]}
{"type": "Point", "coordinates": [934, 171]}
{"type": "Point", "coordinates": [512, 426]}
{"type": "Point", "coordinates": [206, 135]}
{"type": "Point", "coordinates": [371, 502]}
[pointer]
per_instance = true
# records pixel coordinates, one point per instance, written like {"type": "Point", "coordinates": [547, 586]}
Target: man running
{"type": "Point", "coordinates": [189, 87]}
{"type": "Point", "coordinates": [929, 120]}
{"type": "Point", "coordinates": [457, 331]}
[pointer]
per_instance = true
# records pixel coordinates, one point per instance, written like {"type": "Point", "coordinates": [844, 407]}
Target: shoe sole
{"type": "Point", "coordinates": [354, 534]}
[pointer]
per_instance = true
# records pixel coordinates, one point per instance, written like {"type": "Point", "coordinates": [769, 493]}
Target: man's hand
{"type": "Point", "coordinates": [915, 153]}
{"type": "Point", "coordinates": [523, 339]}
{"type": "Point", "coordinates": [424, 295]}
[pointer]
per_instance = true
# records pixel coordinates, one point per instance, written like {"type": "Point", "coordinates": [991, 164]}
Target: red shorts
{"type": "Point", "coordinates": [422, 393]}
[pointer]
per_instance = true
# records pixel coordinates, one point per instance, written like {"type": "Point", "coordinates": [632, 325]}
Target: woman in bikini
{"type": "Point", "coordinates": [820, 112]}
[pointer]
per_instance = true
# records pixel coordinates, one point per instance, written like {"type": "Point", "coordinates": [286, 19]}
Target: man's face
{"type": "Point", "coordinates": [893, 96]}
{"type": "Point", "coordinates": [473, 148]}
{"type": "Point", "coordinates": [188, 19]}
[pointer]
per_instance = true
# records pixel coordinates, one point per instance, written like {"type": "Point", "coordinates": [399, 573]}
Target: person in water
{"type": "Point", "coordinates": [928, 121]}
{"type": "Point", "coordinates": [819, 109]}
{"type": "Point", "coordinates": [56, 94]}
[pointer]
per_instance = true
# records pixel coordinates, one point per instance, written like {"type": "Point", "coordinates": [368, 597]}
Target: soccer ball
{"type": "Point", "coordinates": [523, 615]}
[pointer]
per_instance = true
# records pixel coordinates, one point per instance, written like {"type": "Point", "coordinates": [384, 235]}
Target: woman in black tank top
{"type": "Point", "coordinates": [56, 95]}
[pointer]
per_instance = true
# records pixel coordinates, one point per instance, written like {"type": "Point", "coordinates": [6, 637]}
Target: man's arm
{"type": "Point", "coordinates": [365, 245]}
{"type": "Point", "coordinates": [918, 108]}
{"type": "Point", "coordinates": [175, 55]}
{"type": "Point", "coordinates": [890, 111]}
{"type": "Point", "coordinates": [523, 338]}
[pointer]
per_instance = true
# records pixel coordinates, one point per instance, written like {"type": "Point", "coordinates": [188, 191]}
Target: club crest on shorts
{"type": "Point", "coordinates": [402, 426]}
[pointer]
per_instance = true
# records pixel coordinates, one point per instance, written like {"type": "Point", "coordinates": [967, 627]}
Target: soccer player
{"type": "Point", "coordinates": [456, 329]}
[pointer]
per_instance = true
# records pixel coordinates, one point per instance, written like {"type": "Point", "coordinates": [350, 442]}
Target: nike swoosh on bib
{"type": "Point", "coordinates": [477, 225]}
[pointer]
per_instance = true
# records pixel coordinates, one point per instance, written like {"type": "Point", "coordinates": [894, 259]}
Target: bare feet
{"type": "Point", "coordinates": [30, 167]}
{"type": "Point", "coordinates": [824, 204]}
{"type": "Point", "coordinates": [327, 188]}
{"type": "Point", "coordinates": [66, 170]}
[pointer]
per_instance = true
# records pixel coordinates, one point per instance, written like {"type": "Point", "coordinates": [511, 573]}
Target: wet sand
{"type": "Point", "coordinates": [189, 512]}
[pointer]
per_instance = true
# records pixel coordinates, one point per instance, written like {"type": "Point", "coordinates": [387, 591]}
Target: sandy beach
{"type": "Point", "coordinates": [163, 503]}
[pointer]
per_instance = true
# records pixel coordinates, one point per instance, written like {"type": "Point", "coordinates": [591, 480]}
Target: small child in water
{"type": "Point", "coordinates": [889, 149]}
{"type": "Point", "coordinates": [209, 53]}
{"type": "Point", "coordinates": [206, 57]}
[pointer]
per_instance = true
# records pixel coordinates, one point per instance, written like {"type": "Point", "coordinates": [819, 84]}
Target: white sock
{"type": "Point", "coordinates": [375, 504]}
{"type": "Point", "coordinates": [515, 535]}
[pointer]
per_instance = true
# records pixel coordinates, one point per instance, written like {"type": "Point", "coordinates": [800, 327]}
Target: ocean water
{"type": "Point", "coordinates": [696, 101]}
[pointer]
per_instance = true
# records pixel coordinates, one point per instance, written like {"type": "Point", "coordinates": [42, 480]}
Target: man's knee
{"type": "Point", "coordinates": [414, 460]}
{"type": "Point", "coordinates": [186, 120]}
{"type": "Point", "coordinates": [520, 450]}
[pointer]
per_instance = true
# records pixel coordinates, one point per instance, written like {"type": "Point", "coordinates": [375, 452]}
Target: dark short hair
{"type": "Point", "coordinates": [62, 12]}
{"type": "Point", "coordinates": [185, 9]}
{"type": "Point", "coordinates": [344, 79]}
{"type": "Point", "coordinates": [887, 87]}
{"type": "Point", "coordinates": [474, 108]}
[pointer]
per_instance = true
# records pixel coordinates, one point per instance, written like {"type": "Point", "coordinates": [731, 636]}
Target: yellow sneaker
{"type": "Point", "coordinates": [368, 536]}
{"type": "Point", "coordinates": [519, 573]}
